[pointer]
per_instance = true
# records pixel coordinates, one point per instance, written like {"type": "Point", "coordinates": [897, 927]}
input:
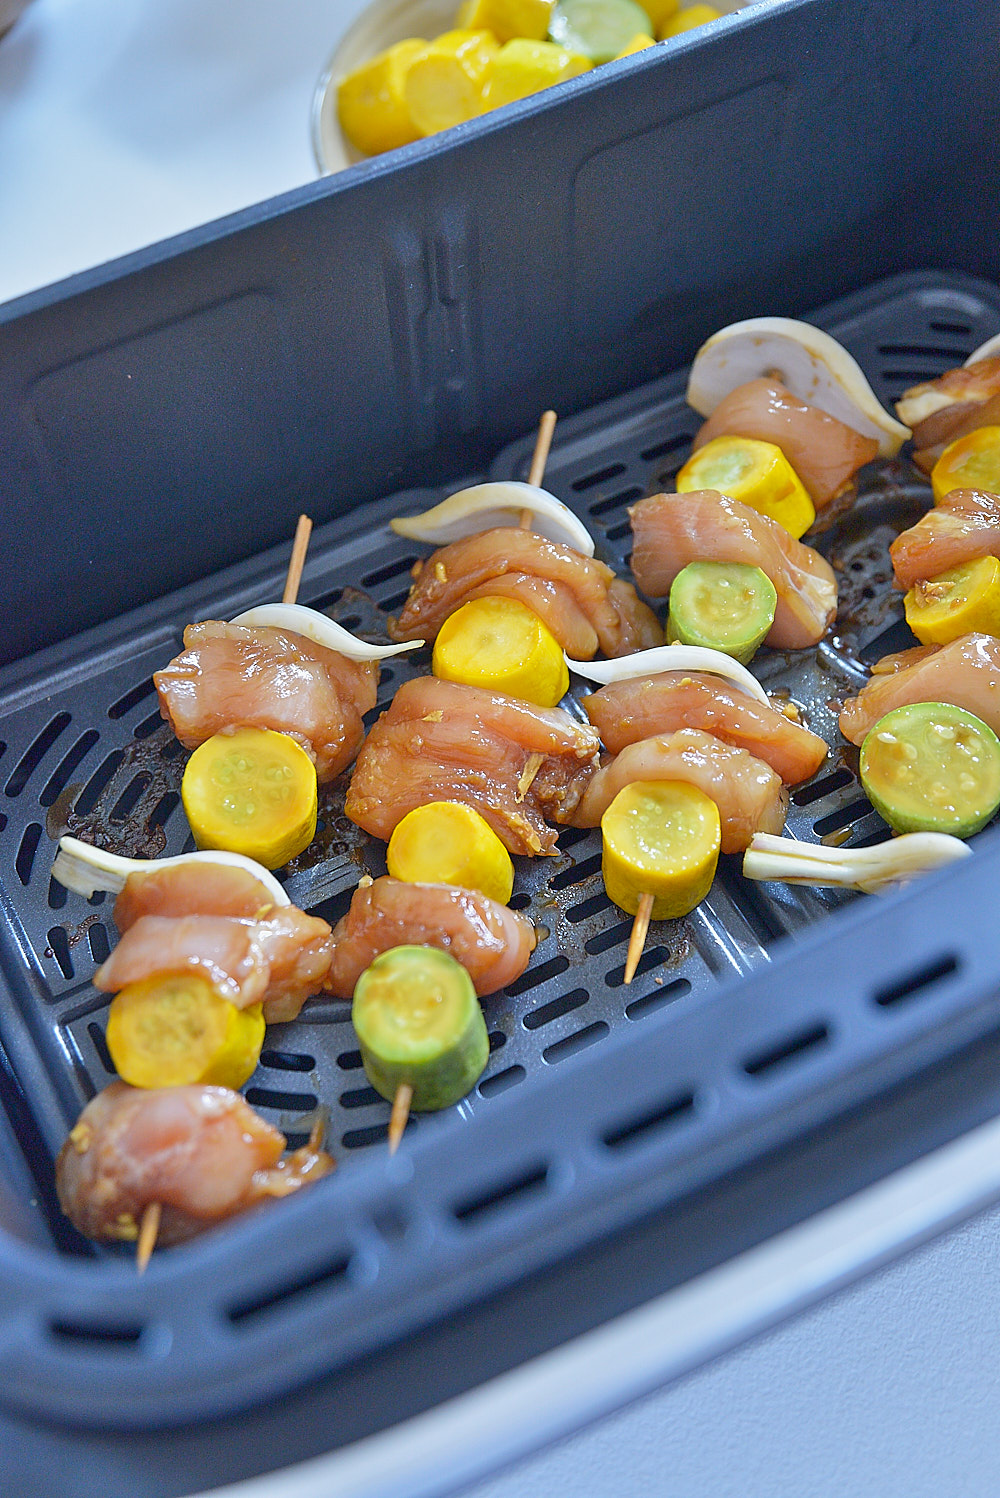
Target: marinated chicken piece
{"type": "Point", "coordinates": [278, 962]}
{"type": "Point", "coordinates": [234, 676]}
{"type": "Point", "coordinates": [516, 764]}
{"type": "Point", "coordinates": [491, 942]}
{"type": "Point", "coordinates": [672, 530]}
{"type": "Point", "coordinates": [965, 525]}
{"type": "Point", "coordinates": [824, 452]}
{"type": "Point", "coordinates": [191, 889]}
{"type": "Point", "coordinates": [942, 410]}
{"type": "Point", "coordinates": [965, 672]}
{"type": "Point", "coordinates": [898, 660]}
{"type": "Point", "coordinates": [579, 599]}
{"type": "Point", "coordinates": [201, 1152]}
{"type": "Point", "coordinates": [626, 711]}
{"type": "Point", "coordinates": [748, 793]}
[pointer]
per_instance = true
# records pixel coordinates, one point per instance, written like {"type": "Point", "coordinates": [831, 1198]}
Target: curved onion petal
{"type": "Point", "coordinates": [671, 658]}
{"type": "Point", "coordinates": [807, 361]}
{"type": "Point", "coordinates": [988, 350]}
{"type": "Point", "coordinates": [487, 507]}
{"type": "Point", "coordinates": [892, 862]}
{"type": "Point", "coordinates": [85, 869]}
{"type": "Point", "coordinates": [313, 625]}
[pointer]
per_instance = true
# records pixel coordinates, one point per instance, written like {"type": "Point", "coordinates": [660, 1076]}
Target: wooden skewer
{"type": "Point", "coordinates": [148, 1231]}
{"type": "Point", "coordinates": [532, 765]}
{"type": "Point", "coordinates": [317, 1133]}
{"type": "Point", "coordinates": [543, 442]}
{"type": "Point", "coordinates": [539, 458]}
{"type": "Point", "coordinates": [400, 1113]}
{"type": "Point", "coordinates": [299, 547]}
{"type": "Point", "coordinates": [637, 939]}
{"type": "Point", "coordinates": [150, 1226]}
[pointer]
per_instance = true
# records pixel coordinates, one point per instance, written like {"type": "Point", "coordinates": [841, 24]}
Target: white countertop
{"type": "Point", "coordinates": [124, 121]}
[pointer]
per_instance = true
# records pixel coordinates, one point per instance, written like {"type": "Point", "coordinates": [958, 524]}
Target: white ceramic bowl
{"type": "Point", "coordinates": [381, 25]}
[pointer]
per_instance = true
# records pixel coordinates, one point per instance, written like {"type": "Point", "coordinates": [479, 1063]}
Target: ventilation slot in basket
{"type": "Point", "coordinates": [790, 1050]}
{"type": "Point", "coordinates": [60, 777]}
{"type": "Point", "coordinates": [288, 1102]}
{"type": "Point", "coordinates": [651, 957]}
{"type": "Point", "coordinates": [96, 1335]}
{"type": "Point", "coordinates": [616, 501]}
{"type": "Point", "coordinates": [600, 476]}
{"type": "Point", "coordinates": [532, 977]}
{"type": "Point", "coordinates": [360, 1097]}
{"type": "Point", "coordinates": [287, 1061]}
{"type": "Point", "coordinates": [131, 699]}
{"type": "Point", "coordinates": [638, 1129]}
{"type": "Point", "coordinates": [657, 998]}
{"type": "Point", "coordinates": [34, 755]}
{"type": "Point", "coordinates": [101, 1046]}
{"type": "Point", "coordinates": [332, 1273]}
{"type": "Point", "coordinates": [817, 790]}
{"type": "Point", "coordinates": [555, 1009]}
{"type": "Point", "coordinates": [916, 982]}
{"type": "Point", "coordinates": [25, 859]}
{"type": "Point", "coordinates": [501, 1081]}
{"type": "Point", "coordinates": [98, 783]}
{"type": "Point", "coordinates": [356, 1139]}
{"type": "Point", "coordinates": [511, 1193]}
{"type": "Point", "coordinates": [839, 821]}
{"type": "Point", "coordinates": [579, 1041]}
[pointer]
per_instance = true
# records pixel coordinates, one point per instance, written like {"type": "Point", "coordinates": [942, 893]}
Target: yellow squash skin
{"type": "Point", "coordinates": [444, 85]}
{"type": "Point", "coordinates": [501, 645]}
{"type": "Point", "coordinates": [964, 600]}
{"type": "Point", "coordinates": [446, 842]}
{"type": "Point", "coordinates": [251, 791]}
{"type": "Point", "coordinates": [660, 838]}
{"type": "Point", "coordinates": [176, 1029]}
{"type": "Point", "coordinates": [757, 474]}
{"type": "Point", "coordinates": [970, 462]}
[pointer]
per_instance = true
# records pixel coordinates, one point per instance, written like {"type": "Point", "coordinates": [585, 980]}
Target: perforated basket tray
{"type": "Point", "coordinates": [727, 1042]}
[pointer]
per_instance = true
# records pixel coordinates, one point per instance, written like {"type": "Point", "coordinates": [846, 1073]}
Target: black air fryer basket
{"type": "Point", "coordinates": [361, 348]}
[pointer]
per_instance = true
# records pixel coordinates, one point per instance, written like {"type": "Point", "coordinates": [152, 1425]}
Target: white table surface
{"type": "Point", "coordinates": [124, 121]}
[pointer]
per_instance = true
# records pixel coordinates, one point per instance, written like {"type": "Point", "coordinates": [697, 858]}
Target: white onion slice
{"type": "Point", "coordinates": [808, 362]}
{"type": "Point", "coordinates": [892, 862]}
{"type": "Point", "coordinates": [315, 626]}
{"type": "Point", "coordinates": [485, 507]}
{"type": "Point", "coordinates": [988, 350]}
{"type": "Point", "coordinates": [671, 658]}
{"type": "Point", "coordinates": [86, 869]}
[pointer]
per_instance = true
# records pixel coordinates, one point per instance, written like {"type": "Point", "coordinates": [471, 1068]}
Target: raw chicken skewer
{"type": "Point", "coordinates": [149, 1226]}
{"type": "Point", "coordinates": [199, 1152]}
{"type": "Point", "coordinates": [543, 442]}
{"type": "Point", "coordinates": [644, 749]}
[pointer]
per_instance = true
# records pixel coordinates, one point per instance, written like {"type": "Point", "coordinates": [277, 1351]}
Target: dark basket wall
{"type": "Point", "coordinates": [396, 324]}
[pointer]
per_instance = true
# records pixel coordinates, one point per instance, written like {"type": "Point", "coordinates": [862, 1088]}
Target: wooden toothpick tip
{"type": "Point", "coordinates": [299, 547]}
{"type": "Point", "coordinates": [539, 458]}
{"type": "Point", "coordinates": [148, 1231]}
{"type": "Point", "coordinates": [637, 939]}
{"type": "Point", "coordinates": [400, 1113]}
{"type": "Point", "coordinates": [532, 765]}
